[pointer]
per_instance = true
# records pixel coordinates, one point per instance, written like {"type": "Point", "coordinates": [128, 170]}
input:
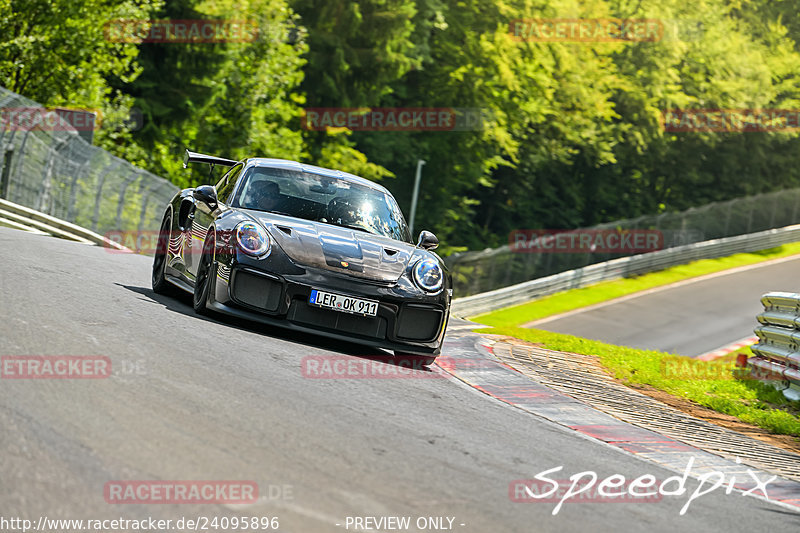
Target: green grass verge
{"type": "Point", "coordinates": [608, 290]}
{"type": "Point", "coordinates": [716, 385]}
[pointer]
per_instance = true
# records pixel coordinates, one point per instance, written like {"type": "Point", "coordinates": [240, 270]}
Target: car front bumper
{"type": "Point", "coordinates": [403, 323]}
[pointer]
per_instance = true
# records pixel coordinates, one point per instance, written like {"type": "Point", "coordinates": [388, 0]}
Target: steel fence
{"type": "Point", "coordinates": [481, 271]}
{"type": "Point", "coordinates": [47, 166]}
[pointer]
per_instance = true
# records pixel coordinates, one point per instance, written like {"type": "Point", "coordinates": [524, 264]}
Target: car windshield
{"type": "Point", "coordinates": [322, 199]}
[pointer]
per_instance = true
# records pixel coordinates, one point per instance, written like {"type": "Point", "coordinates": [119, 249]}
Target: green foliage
{"type": "Point", "coordinates": [234, 98]}
{"type": "Point", "coordinates": [571, 133]}
{"type": "Point", "coordinates": [56, 52]}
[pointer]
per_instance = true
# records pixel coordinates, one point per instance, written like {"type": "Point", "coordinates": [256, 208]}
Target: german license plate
{"type": "Point", "coordinates": [345, 304]}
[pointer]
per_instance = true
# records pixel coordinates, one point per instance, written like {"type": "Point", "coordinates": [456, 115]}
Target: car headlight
{"type": "Point", "coordinates": [428, 275]}
{"type": "Point", "coordinates": [252, 238]}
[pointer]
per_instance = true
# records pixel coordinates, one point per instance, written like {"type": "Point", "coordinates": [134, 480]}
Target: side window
{"type": "Point", "coordinates": [228, 183]}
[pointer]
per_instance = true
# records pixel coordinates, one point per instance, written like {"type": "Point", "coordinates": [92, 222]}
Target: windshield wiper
{"type": "Point", "coordinates": [359, 228]}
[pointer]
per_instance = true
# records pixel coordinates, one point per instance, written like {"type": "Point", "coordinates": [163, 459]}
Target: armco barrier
{"type": "Point", "coordinates": [54, 226]}
{"type": "Point", "coordinates": [777, 354]}
{"type": "Point", "coordinates": [622, 267]}
{"type": "Point", "coordinates": [477, 272]}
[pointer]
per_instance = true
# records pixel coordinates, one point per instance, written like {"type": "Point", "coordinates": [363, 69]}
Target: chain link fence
{"type": "Point", "coordinates": [47, 166]}
{"type": "Point", "coordinates": [490, 269]}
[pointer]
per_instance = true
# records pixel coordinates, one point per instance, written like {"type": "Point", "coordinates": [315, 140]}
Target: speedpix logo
{"type": "Point", "coordinates": [589, 487]}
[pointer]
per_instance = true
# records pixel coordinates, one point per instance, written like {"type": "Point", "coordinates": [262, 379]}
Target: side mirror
{"type": "Point", "coordinates": [206, 194]}
{"type": "Point", "coordinates": [427, 240]}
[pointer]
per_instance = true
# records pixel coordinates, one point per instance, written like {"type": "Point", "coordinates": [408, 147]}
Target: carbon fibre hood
{"type": "Point", "coordinates": [357, 253]}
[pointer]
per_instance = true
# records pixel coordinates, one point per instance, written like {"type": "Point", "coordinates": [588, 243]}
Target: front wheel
{"type": "Point", "coordinates": [202, 283]}
{"type": "Point", "coordinates": [159, 280]}
{"type": "Point", "coordinates": [413, 360]}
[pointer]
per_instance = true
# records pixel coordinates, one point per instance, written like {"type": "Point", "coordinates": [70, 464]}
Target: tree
{"type": "Point", "coordinates": [57, 53]}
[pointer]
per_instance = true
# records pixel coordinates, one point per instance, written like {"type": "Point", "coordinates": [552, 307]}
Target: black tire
{"type": "Point", "coordinates": [158, 279]}
{"type": "Point", "coordinates": [203, 282]}
{"type": "Point", "coordinates": [411, 360]}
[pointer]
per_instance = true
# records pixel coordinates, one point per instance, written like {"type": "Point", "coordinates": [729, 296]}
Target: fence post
{"type": "Point", "coordinates": [5, 177]}
{"type": "Point", "coordinates": [44, 190]}
{"type": "Point", "coordinates": [99, 195]}
{"type": "Point", "coordinates": [136, 173]}
{"type": "Point", "coordinates": [18, 163]}
{"type": "Point", "coordinates": [774, 209]}
{"type": "Point", "coordinates": [72, 190]}
{"type": "Point", "coordinates": [155, 186]}
{"type": "Point", "coordinates": [727, 219]}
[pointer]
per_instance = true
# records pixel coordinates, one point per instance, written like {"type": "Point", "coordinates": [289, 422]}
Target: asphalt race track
{"type": "Point", "coordinates": [191, 398]}
{"type": "Point", "coordinates": [688, 318]}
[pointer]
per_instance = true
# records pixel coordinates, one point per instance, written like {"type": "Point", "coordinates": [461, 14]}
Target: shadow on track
{"type": "Point", "coordinates": [182, 303]}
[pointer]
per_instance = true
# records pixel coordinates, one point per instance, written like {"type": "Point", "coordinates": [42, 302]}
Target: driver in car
{"type": "Point", "coordinates": [264, 195]}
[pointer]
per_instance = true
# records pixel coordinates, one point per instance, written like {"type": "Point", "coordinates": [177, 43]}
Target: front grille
{"type": "Point", "coordinates": [364, 326]}
{"type": "Point", "coordinates": [256, 291]}
{"type": "Point", "coordinates": [419, 322]}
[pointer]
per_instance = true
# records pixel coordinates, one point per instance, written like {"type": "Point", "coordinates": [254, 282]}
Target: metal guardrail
{"type": "Point", "coordinates": [777, 353]}
{"type": "Point", "coordinates": [477, 272]}
{"type": "Point", "coordinates": [42, 222]}
{"type": "Point", "coordinates": [622, 267]}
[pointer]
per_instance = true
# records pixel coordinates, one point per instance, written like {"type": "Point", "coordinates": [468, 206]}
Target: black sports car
{"type": "Point", "coordinates": [309, 249]}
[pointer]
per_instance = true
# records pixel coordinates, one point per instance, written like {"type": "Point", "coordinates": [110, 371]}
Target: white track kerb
{"type": "Point", "coordinates": [470, 359]}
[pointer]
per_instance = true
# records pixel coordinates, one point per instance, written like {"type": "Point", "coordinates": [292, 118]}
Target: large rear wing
{"type": "Point", "coordinates": [194, 157]}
